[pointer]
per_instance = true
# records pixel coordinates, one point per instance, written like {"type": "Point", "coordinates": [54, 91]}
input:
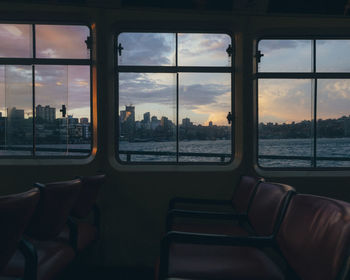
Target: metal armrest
{"type": "Point", "coordinates": [205, 214]}
{"type": "Point", "coordinates": [199, 201]}
{"type": "Point", "coordinates": [178, 213]}
{"type": "Point", "coordinates": [31, 259]}
{"type": "Point", "coordinates": [218, 239]}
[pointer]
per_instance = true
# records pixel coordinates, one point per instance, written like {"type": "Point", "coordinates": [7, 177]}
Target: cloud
{"type": "Point", "coordinates": [267, 46]}
{"type": "Point", "coordinates": [333, 98]}
{"type": "Point", "coordinates": [147, 48]}
{"type": "Point", "coordinates": [61, 41]}
{"type": "Point", "coordinates": [52, 41]}
{"type": "Point", "coordinates": [199, 101]}
{"type": "Point", "coordinates": [283, 100]}
{"type": "Point", "coordinates": [15, 40]}
{"type": "Point", "coordinates": [203, 49]}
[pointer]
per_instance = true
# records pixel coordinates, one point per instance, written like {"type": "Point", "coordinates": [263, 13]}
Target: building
{"type": "Point", "coordinates": [186, 122]}
{"type": "Point", "coordinates": [47, 113]}
{"type": "Point", "coordinates": [84, 120]}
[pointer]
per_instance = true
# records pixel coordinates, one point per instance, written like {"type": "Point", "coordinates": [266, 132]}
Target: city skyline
{"type": "Point", "coordinates": [127, 113]}
{"type": "Point", "coordinates": [203, 97]}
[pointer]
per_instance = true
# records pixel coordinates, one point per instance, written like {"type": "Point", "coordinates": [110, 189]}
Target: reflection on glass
{"type": "Point", "coordinates": [333, 55]}
{"type": "Point", "coordinates": [51, 118]}
{"type": "Point", "coordinates": [16, 40]}
{"type": "Point", "coordinates": [285, 122]}
{"type": "Point", "coordinates": [333, 122]}
{"type": "Point", "coordinates": [62, 110]}
{"type": "Point", "coordinates": [150, 49]}
{"type": "Point", "coordinates": [204, 102]}
{"type": "Point", "coordinates": [18, 103]}
{"type": "Point", "coordinates": [285, 55]}
{"type": "Point", "coordinates": [78, 110]}
{"type": "Point", "coordinates": [61, 41]}
{"type": "Point", "coordinates": [203, 49]}
{"type": "Point", "coordinates": [147, 117]}
{"type": "Point", "coordinates": [3, 111]}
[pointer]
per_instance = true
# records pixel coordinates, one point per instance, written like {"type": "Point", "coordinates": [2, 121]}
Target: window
{"type": "Point", "coordinates": [174, 98]}
{"type": "Point", "coordinates": [303, 103]}
{"type": "Point", "coordinates": [44, 90]}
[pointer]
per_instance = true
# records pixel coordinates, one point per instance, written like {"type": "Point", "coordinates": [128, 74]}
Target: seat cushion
{"type": "Point", "coordinates": [191, 261]}
{"type": "Point", "coordinates": [53, 257]}
{"type": "Point", "coordinates": [87, 233]}
{"type": "Point", "coordinates": [211, 228]}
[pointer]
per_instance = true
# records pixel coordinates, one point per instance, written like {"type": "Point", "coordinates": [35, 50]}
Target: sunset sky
{"type": "Point", "coordinates": [288, 100]}
{"type": "Point", "coordinates": [203, 97]}
{"type": "Point", "coordinates": [54, 84]}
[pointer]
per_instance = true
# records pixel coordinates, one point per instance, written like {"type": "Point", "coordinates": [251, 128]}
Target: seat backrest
{"type": "Point", "coordinates": [16, 211]}
{"type": "Point", "coordinates": [268, 206]}
{"type": "Point", "coordinates": [314, 236]}
{"type": "Point", "coordinates": [244, 193]}
{"type": "Point", "coordinates": [88, 195]}
{"type": "Point", "coordinates": [56, 202]}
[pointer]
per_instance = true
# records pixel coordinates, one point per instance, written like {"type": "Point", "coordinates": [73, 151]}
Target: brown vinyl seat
{"type": "Point", "coordinates": [86, 231]}
{"type": "Point", "coordinates": [238, 203]}
{"type": "Point", "coordinates": [217, 221]}
{"type": "Point", "coordinates": [262, 218]}
{"type": "Point", "coordinates": [53, 254]}
{"type": "Point", "coordinates": [16, 210]}
{"type": "Point", "coordinates": [314, 241]}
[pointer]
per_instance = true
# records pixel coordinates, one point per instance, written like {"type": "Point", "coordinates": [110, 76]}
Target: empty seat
{"type": "Point", "coordinates": [313, 239]}
{"type": "Point", "coordinates": [238, 203]}
{"type": "Point", "coordinates": [16, 211]}
{"type": "Point", "coordinates": [53, 254]}
{"type": "Point", "coordinates": [86, 231]}
{"type": "Point", "coordinates": [263, 217]}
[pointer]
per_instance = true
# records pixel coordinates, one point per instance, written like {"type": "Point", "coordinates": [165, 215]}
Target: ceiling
{"type": "Point", "coordinates": [322, 7]}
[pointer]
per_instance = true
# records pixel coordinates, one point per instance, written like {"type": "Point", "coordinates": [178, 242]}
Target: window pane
{"type": "Point", "coordinates": [51, 97]}
{"type": "Point", "coordinates": [78, 111]}
{"type": "Point", "coordinates": [18, 103]}
{"type": "Point", "coordinates": [147, 117]}
{"type": "Point", "coordinates": [204, 102]}
{"type": "Point", "coordinates": [285, 122]}
{"type": "Point", "coordinates": [285, 55]}
{"type": "Point", "coordinates": [203, 49]}
{"type": "Point", "coordinates": [61, 41]}
{"type": "Point", "coordinates": [16, 40]}
{"type": "Point", "coordinates": [333, 122]}
{"type": "Point", "coordinates": [147, 49]}
{"type": "Point", "coordinates": [62, 110]}
{"type": "Point", "coordinates": [3, 111]}
{"type": "Point", "coordinates": [333, 55]}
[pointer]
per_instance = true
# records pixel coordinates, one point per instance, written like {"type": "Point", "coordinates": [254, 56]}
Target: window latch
{"type": "Point", "coordinates": [120, 48]}
{"type": "Point", "coordinates": [258, 56]}
{"type": "Point", "coordinates": [63, 110]}
{"type": "Point", "coordinates": [88, 43]}
{"type": "Point", "coordinates": [229, 118]}
{"type": "Point", "coordinates": [229, 50]}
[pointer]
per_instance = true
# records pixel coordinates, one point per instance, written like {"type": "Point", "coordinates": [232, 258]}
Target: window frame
{"type": "Point", "coordinates": [175, 70]}
{"type": "Point", "coordinates": [313, 75]}
{"type": "Point", "coordinates": [33, 61]}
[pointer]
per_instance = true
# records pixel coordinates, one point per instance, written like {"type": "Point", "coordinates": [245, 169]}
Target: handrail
{"type": "Point", "coordinates": [129, 153]}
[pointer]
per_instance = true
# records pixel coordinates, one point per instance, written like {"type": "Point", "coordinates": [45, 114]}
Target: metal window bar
{"type": "Point", "coordinates": [313, 75]}
{"type": "Point", "coordinates": [174, 69]}
{"type": "Point", "coordinates": [41, 61]}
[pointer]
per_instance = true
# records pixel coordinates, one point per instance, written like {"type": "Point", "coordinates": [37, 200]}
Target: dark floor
{"type": "Point", "coordinates": [119, 273]}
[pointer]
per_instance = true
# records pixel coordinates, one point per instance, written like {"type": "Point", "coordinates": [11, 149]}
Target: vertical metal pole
{"type": "Point", "coordinates": [314, 163]}
{"type": "Point", "coordinates": [177, 100]}
{"type": "Point", "coordinates": [33, 90]}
